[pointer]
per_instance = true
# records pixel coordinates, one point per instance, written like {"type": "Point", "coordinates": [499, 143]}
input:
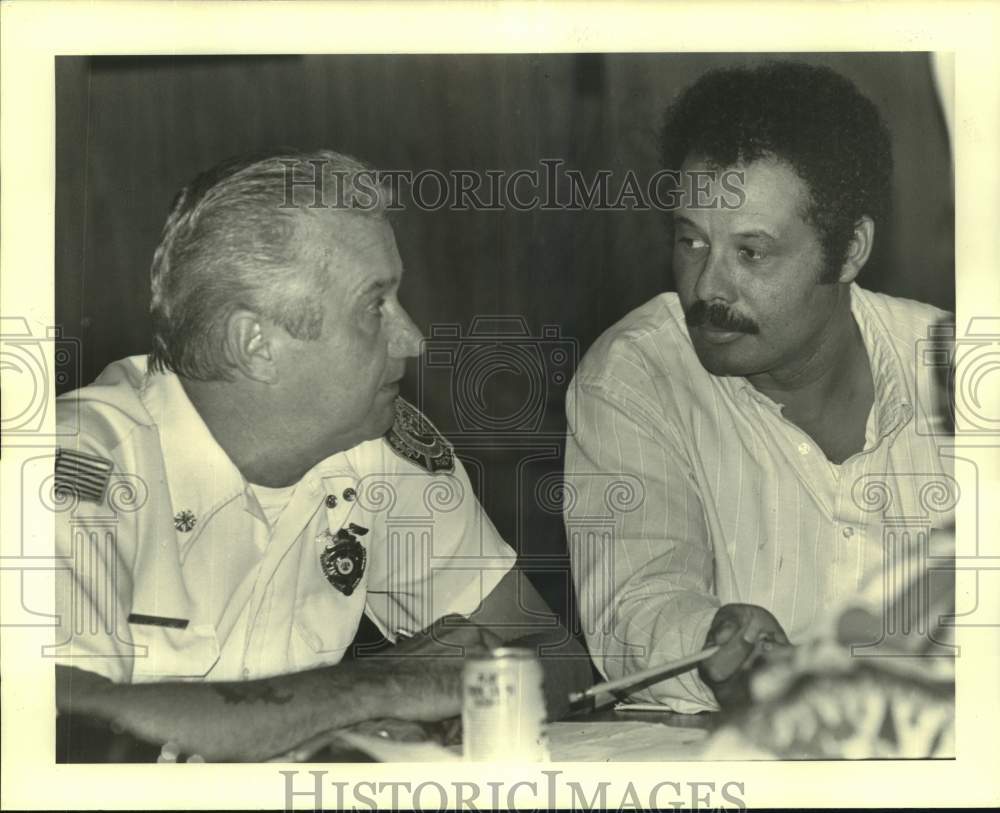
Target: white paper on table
{"type": "Point", "coordinates": [623, 742]}
{"type": "Point", "coordinates": [657, 708]}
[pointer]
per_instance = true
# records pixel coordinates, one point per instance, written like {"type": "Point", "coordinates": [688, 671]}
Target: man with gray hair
{"type": "Point", "coordinates": [276, 489]}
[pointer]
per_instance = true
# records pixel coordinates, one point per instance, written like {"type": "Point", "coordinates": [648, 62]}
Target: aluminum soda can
{"type": "Point", "coordinates": [503, 707]}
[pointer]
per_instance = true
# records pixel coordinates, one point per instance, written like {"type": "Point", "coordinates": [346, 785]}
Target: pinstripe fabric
{"type": "Point", "coordinates": [686, 490]}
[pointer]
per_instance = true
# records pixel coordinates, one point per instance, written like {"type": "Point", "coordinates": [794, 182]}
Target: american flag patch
{"type": "Point", "coordinates": [83, 475]}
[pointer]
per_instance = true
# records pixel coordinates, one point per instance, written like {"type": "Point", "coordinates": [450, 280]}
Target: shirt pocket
{"type": "Point", "coordinates": [174, 654]}
{"type": "Point", "coordinates": [326, 625]}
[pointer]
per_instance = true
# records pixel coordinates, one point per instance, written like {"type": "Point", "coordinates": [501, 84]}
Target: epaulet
{"type": "Point", "coordinates": [84, 476]}
{"type": "Point", "coordinates": [415, 438]}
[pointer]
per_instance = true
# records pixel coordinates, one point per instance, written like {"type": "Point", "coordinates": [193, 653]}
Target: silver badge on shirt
{"type": "Point", "coordinates": [343, 557]}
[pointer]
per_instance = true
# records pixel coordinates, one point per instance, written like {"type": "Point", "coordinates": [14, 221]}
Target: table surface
{"type": "Point", "coordinates": [630, 736]}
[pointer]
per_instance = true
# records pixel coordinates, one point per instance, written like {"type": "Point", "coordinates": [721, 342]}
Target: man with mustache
{"type": "Point", "coordinates": [235, 503]}
{"type": "Point", "coordinates": [752, 403]}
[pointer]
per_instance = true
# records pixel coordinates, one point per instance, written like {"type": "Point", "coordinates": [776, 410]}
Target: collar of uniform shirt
{"type": "Point", "coordinates": [200, 475]}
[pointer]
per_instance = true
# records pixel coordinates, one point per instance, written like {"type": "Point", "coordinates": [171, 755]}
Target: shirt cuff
{"type": "Point", "coordinates": [687, 693]}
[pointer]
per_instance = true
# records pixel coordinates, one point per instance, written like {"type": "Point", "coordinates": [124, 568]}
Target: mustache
{"type": "Point", "coordinates": [720, 317]}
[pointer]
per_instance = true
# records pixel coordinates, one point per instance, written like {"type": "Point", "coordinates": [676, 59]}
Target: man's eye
{"type": "Point", "coordinates": [751, 254]}
{"type": "Point", "coordinates": [692, 243]}
{"type": "Point", "coordinates": [377, 305]}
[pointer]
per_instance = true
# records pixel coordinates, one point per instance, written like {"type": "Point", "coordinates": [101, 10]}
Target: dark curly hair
{"type": "Point", "coordinates": [808, 116]}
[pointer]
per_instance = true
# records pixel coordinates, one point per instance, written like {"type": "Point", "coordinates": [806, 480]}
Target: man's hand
{"type": "Point", "coordinates": [743, 632]}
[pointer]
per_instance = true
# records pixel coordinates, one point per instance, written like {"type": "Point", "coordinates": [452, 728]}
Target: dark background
{"type": "Point", "coordinates": [130, 131]}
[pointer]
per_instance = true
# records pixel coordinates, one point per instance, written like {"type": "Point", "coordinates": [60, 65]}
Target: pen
{"type": "Point", "coordinates": [663, 670]}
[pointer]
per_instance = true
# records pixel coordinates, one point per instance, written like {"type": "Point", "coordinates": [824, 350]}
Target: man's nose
{"type": "Point", "coordinates": [405, 340]}
{"type": "Point", "coordinates": [714, 283]}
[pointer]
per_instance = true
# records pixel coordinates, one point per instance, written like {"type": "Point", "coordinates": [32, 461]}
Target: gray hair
{"type": "Point", "coordinates": [228, 244]}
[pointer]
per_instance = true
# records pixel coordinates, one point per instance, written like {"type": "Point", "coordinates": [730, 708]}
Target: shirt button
{"type": "Point", "coordinates": [848, 532]}
{"type": "Point", "coordinates": [804, 449]}
{"type": "Point", "coordinates": [350, 494]}
{"type": "Point", "coordinates": [331, 501]}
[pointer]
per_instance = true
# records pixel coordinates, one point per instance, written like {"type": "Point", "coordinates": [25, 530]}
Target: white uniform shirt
{"type": "Point", "coordinates": [176, 574]}
{"type": "Point", "coordinates": [686, 491]}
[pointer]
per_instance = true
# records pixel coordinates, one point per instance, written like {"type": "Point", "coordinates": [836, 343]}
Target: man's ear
{"type": "Point", "coordinates": [858, 250]}
{"type": "Point", "coordinates": [248, 346]}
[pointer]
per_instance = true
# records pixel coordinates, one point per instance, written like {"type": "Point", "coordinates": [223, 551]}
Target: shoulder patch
{"type": "Point", "coordinates": [85, 476]}
{"type": "Point", "coordinates": [415, 438]}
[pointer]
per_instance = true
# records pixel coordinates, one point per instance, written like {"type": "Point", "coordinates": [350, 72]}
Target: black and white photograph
{"type": "Point", "coordinates": [531, 421]}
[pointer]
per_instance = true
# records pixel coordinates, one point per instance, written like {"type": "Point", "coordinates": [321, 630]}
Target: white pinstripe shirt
{"type": "Point", "coordinates": [686, 491]}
